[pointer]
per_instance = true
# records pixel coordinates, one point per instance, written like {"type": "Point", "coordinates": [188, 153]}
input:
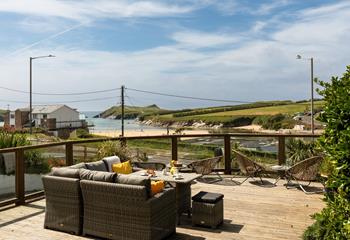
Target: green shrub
{"type": "Point", "coordinates": [35, 162]}
{"type": "Point", "coordinates": [8, 140]}
{"type": "Point", "coordinates": [333, 222]}
{"type": "Point", "coordinates": [298, 150]}
{"type": "Point", "coordinates": [111, 148]}
{"type": "Point", "coordinates": [83, 133]}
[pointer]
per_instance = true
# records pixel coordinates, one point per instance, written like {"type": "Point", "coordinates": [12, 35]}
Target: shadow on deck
{"type": "Point", "coordinates": [251, 211]}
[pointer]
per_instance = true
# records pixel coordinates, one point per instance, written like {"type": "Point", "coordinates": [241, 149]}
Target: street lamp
{"type": "Point", "coordinates": [30, 89]}
{"type": "Point", "coordinates": [312, 91]}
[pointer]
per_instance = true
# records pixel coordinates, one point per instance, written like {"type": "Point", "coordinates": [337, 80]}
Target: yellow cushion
{"type": "Point", "coordinates": [157, 187]}
{"type": "Point", "coordinates": [122, 168]}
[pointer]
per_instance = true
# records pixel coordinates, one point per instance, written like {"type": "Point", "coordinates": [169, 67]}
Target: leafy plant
{"type": "Point", "coordinates": [334, 220]}
{"type": "Point", "coordinates": [298, 150]}
{"type": "Point", "coordinates": [35, 162]}
{"type": "Point", "coordinates": [8, 140]}
{"type": "Point", "coordinates": [110, 148]}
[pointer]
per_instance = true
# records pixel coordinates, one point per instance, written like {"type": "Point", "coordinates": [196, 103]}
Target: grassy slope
{"type": "Point", "coordinates": [228, 115]}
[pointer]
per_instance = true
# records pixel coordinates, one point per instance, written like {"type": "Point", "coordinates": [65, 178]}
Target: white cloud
{"type": "Point", "coordinates": [197, 39]}
{"type": "Point", "coordinates": [90, 9]}
{"type": "Point", "coordinates": [266, 8]}
{"type": "Point", "coordinates": [250, 69]}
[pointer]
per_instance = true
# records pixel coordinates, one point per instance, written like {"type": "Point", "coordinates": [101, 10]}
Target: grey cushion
{"type": "Point", "coordinates": [207, 197]}
{"type": "Point", "coordinates": [109, 161]}
{"type": "Point", "coordinates": [96, 166]}
{"type": "Point", "coordinates": [86, 174]}
{"type": "Point", "coordinates": [78, 166]}
{"type": "Point", "coordinates": [135, 180]}
{"type": "Point", "coordinates": [65, 172]}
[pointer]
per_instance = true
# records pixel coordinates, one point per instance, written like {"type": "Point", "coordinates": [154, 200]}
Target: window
{"type": "Point", "coordinates": [45, 116]}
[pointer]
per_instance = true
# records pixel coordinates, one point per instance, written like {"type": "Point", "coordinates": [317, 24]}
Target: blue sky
{"type": "Point", "coordinates": [223, 49]}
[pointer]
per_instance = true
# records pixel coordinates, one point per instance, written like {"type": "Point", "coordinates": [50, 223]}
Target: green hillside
{"type": "Point", "coordinates": [131, 112]}
{"type": "Point", "coordinates": [240, 115]}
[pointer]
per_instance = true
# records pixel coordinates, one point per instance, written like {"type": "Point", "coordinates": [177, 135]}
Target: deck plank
{"type": "Point", "coordinates": [251, 212]}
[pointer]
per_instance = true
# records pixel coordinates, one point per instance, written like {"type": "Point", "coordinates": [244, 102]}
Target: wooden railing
{"type": "Point", "coordinates": [21, 197]}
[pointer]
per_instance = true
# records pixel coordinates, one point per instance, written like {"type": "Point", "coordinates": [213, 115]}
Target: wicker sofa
{"type": "Point", "coordinates": [88, 199]}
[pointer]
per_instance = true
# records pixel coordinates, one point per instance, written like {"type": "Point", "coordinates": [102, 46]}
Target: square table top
{"type": "Point", "coordinates": [187, 177]}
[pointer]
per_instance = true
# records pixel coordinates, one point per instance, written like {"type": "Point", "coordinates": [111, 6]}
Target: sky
{"type": "Point", "coordinates": [234, 50]}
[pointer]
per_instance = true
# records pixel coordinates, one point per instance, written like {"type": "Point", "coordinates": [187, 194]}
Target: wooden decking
{"type": "Point", "coordinates": [251, 212]}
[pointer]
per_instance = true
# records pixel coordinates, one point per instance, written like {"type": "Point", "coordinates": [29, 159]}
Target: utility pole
{"type": "Point", "coordinates": [312, 95]}
{"type": "Point", "coordinates": [122, 95]}
{"type": "Point", "coordinates": [30, 96]}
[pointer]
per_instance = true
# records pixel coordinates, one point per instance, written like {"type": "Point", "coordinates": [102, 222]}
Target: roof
{"type": "Point", "coordinates": [45, 109]}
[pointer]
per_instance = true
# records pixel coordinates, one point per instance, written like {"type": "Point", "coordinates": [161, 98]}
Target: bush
{"type": "Point", "coordinates": [83, 133]}
{"type": "Point", "coordinates": [334, 220]}
{"type": "Point", "coordinates": [111, 148]}
{"type": "Point", "coordinates": [298, 150]}
{"type": "Point", "coordinates": [35, 162]}
{"type": "Point", "coordinates": [8, 140]}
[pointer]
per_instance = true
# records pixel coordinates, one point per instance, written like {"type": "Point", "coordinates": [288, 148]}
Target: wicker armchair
{"type": "Point", "coordinates": [306, 170]}
{"type": "Point", "coordinates": [120, 211]}
{"type": "Point", "coordinates": [248, 167]}
{"type": "Point", "coordinates": [206, 166]}
{"type": "Point", "coordinates": [64, 204]}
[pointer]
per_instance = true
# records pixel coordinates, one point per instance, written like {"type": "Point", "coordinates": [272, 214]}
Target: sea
{"type": "Point", "coordinates": [102, 124]}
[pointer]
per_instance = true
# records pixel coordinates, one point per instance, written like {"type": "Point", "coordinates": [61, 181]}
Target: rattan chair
{"type": "Point", "coordinates": [306, 170]}
{"type": "Point", "coordinates": [206, 167]}
{"type": "Point", "coordinates": [248, 167]}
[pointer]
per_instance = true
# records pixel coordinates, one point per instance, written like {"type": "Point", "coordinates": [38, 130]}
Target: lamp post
{"type": "Point", "coordinates": [30, 89]}
{"type": "Point", "coordinates": [312, 91]}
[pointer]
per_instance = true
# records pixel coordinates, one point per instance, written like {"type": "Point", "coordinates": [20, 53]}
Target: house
{"type": "Point", "coordinates": [57, 119]}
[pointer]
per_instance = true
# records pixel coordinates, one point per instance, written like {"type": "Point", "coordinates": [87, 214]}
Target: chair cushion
{"type": "Point", "coordinates": [207, 197]}
{"type": "Point", "coordinates": [157, 187]}
{"type": "Point", "coordinates": [78, 166]}
{"type": "Point", "coordinates": [65, 172]}
{"type": "Point", "coordinates": [109, 161]}
{"type": "Point", "coordinates": [99, 176]}
{"type": "Point", "coordinates": [122, 168]}
{"type": "Point", "coordinates": [135, 180]}
{"type": "Point", "coordinates": [96, 166]}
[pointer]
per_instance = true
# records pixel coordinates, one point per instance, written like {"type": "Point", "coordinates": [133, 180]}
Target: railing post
{"type": "Point", "coordinates": [281, 150]}
{"type": "Point", "coordinates": [174, 148]}
{"type": "Point", "coordinates": [69, 154]}
{"type": "Point", "coordinates": [227, 154]}
{"type": "Point", "coordinates": [19, 180]}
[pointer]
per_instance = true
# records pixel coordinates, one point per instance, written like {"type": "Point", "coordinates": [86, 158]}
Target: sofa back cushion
{"type": "Point", "coordinates": [78, 166]}
{"type": "Point", "coordinates": [65, 172]}
{"type": "Point", "coordinates": [96, 166]}
{"type": "Point", "coordinates": [135, 180]}
{"type": "Point", "coordinates": [99, 176]}
{"type": "Point", "coordinates": [109, 161]}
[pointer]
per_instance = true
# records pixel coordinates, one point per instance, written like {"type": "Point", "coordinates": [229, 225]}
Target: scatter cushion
{"type": "Point", "coordinates": [157, 187]}
{"type": "Point", "coordinates": [135, 180]}
{"type": "Point", "coordinates": [86, 174]}
{"type": "Point", "coordinates": [65, 172]}
{"type": "Point", "coordinates": [122, 168]}
{"type": "Point", "coordinates": [78, 166]}
{"type": "Point", "coordinates": [207, 197]}
{"type": "Point", "coordinates": [109, 161]}
{"type": "Point", "coordinates": [96, 166]}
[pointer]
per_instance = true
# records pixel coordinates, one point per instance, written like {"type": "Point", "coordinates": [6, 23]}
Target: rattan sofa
{"type": "Point", "coordinates": [99, 203]}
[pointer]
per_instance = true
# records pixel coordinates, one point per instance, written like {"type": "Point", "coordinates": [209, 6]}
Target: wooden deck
{"type": "Point", "coordinates": [251, 212]}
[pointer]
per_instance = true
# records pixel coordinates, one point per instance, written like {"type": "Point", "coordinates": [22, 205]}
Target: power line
{"type": "Point", "coordinates": [60, 102]}
{"type": "Point", "coordinates": [187, 97]}
{"type": "Point", "coordinates": [61, 94]}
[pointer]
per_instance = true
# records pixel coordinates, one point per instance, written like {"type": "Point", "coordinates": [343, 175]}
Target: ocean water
{"type": "Point", "coordinates": [101, 124]}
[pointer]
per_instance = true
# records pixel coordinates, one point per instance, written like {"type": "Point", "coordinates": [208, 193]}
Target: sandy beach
{"type": "Point", "coordinates": [145, 132]}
